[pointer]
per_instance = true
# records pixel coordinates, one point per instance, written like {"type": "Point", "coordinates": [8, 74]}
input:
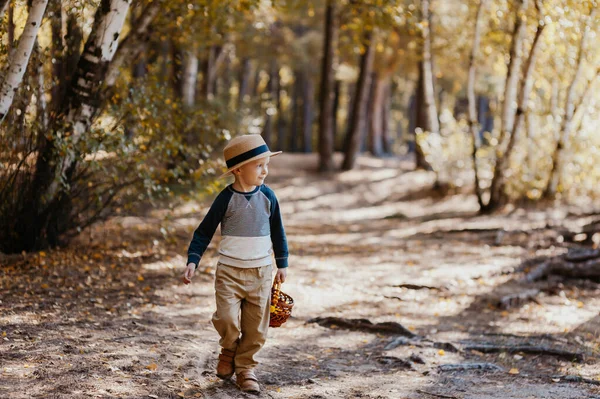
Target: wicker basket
{"type": "Point", "coordinates": [281, 306]}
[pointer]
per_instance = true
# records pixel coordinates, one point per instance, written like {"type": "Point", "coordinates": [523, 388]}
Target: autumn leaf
{"type": "Point", "coordinates": [152, 367]}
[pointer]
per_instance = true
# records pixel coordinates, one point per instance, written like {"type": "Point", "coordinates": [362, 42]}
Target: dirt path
{"type": "Point", "coordinates": [108, 317]}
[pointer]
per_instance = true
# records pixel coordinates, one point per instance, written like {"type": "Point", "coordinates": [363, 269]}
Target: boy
{"type": "Point", "coordinates": [251, 230]}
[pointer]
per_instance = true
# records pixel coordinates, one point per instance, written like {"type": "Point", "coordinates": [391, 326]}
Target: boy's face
{"type": "Point", "coordinates": [253, 173]}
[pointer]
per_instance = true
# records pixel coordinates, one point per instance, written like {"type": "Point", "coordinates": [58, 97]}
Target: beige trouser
{"type": "Point", "coordinates": [246, 290]}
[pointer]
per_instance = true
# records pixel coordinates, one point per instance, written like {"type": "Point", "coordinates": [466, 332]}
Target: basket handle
{"type": "Point", "coordinates": [276, 290]}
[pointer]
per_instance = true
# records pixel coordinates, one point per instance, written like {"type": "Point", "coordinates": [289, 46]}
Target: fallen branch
{"type": "Point", "coordinates": [419, 287]}
{"type": "Point", "coordinates": [516, 300]}
{"type": "Point", "coordinates": [538, 272]}
{"type": "Point", "coordinates": [540, 350]}
{"type": "Point", "coordinates": [394, 362]}
{"type": "Point", "coordinates": [393, 297]}
{"type": "Point", "coordinates": [364, 325]}
{"type": "Point", "coordinates": [575, 378]}
{"type": "Point", "coordinates": [398, 341]}
{"type": "Point", "coordinates": [439, 395]}
{"type": "Point", "coordinates": [470, 366]}
{"type": "Point", "coordinates": [528, 337]}
{"type": "Point", "coordinates": [581, 255]}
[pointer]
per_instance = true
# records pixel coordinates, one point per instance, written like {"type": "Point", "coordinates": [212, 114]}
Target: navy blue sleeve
{"type": "Point", "coordinates": [206, 230]}
{"type": "Point", "coordinates": [278, 238]}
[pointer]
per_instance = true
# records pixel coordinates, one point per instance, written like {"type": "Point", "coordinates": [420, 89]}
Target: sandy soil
{"type": "Point", "coordinates": [108, 318]}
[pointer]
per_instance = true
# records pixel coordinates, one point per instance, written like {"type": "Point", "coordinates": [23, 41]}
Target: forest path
{"type": "Point", "coordinates": [109, 318]}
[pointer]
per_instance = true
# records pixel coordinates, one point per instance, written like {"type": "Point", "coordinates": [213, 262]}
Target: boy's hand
{"type": "Point", "coordinates": [188, 273]}
{"type": "Point", "coordinates": [280, 276]}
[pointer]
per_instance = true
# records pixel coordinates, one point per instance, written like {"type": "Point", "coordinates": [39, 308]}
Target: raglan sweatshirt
{"type": "Point", "coordinates": [251, 229]}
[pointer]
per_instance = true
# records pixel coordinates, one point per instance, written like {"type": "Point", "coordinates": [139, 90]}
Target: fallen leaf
{"type": "Point", "coordinates": [152, 367]}
{"type": "Point", "coordinates": [513, 371]}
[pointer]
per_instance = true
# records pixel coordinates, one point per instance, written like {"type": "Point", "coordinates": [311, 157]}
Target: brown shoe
{"type": "Point", "coordinates": [247, 381]}
{"type": "Point", "coordinates": [225, 366]}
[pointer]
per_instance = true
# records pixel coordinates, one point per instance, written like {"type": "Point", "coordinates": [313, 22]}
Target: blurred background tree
{"type": "Point", "coordinates": [106, 104]}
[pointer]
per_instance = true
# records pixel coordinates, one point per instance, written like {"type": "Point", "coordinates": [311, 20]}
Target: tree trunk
{"type": "Point", "coordinates": [351, 95]}
{"type": "Point", "coordinates": [510, 98]}
{"type": "Point", "coordinates": [334, 112]}
{"type": "Point", "coordinates": [386, 113]}
{"type": "Point", "coordinates": [57, 52]}
{"type": "Point", "coordinates": [72, 55]}
{"type": "Point", "coordinates": [3, 7]}
{"type": "Point", "coordinates": [420, 119]}
{"type": "Point", "coordinates": [272, 91]}
{"type": "Point", "coordinates": [244, 79]}
{"type": "Point", "coordinates": [307, 111]}
{"type": "Point", "coordinates": [42, 105]}
{"type": "Point", "coordinates": [177, 61]}
{"type": "Point", "coordinates": [256, 81]}
{"type": "Point", "coordinates": [358, 109]}
{"type": "Point", "coordinates": [570, 108]}
{"type": "Point", "coordinates": [190, 74]}
{"type": "Point", "coordinates": [208, 75]}
{"type": "Point", "coordinates": [513, 75]}
{"type": "Point", "coordinates": [82, 102]}
{"type": "Point", "coordinates": [280, 118]}
{"type": "Point", "coordinates": [11, 28]}
{"type": "Point", "coordinates": [366, 124]}
{"type": "Point", "coordinates": [433, 125]}
{"type": "Point", "coordinates": [377, 121]}
{"type": "Point", "coordinates": [133, 44]}
{"type": "Point", "coordinates": [498, 180]}
{"type": "Point", "coordinates": [471, 97]}
{"type": "Point", "coordinates": [296, 101]}
{"type": "Point", "coordinates": [19, 59]}
{"type": "Point", "coordinates": [566, 130]}
{"type": "Point", "coordinates": [326, 120]}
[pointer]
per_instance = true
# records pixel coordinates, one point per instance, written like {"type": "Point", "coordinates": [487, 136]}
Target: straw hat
{"type": "Point", "coordinates": [244, 149]}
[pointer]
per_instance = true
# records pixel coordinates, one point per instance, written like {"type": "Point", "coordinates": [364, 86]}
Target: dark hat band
{"type": "Point", "coordinates": [247, 155]}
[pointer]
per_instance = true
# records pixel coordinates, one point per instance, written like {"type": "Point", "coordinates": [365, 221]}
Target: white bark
{"type": "Point", "coordinates": [429, 95]}
{"type": "Point", "coordinates": [566, 125]}
{"type": "Point", "coordinates": [509, 105]}
{"type": "Point", "coordinates": [83, 100]}
{"type": "Point", "coordinates": [524, 91]}
{"type": "Point", "coordinates": [130, 46]}
{"type": "Point", "coordinates": [20, 58]}
{"type": "Point", "coordinates": [498, 180]}
{"type": "Point", "coordinates": [568, 128]}
{"type": "Point", "coordinates": [190, 75]}
{"type": "Point", "coordinates": [471, 96]}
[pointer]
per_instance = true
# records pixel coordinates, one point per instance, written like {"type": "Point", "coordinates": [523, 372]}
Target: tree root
{"type": "Point", "coordinates": [540, 350]}
{"type": "Point", "coordinates": [470, 366]}
{"type": "Point", "coordinates": [364, 325]}
{"type": "Point", "coordinates": [575, 378]}
{"type": "Point", "coordinates": [516, 300]}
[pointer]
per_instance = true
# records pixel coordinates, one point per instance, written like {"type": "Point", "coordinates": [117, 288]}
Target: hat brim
{"type": "Point", "coordinates": [263, 155]}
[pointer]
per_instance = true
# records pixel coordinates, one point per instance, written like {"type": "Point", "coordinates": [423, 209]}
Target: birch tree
{"type": "Point", "coordinates": [20, 58]}
{"type": "Point", "coordinates": [473, 125]}
{"type": "Point", "coordinates": [571, 108]}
